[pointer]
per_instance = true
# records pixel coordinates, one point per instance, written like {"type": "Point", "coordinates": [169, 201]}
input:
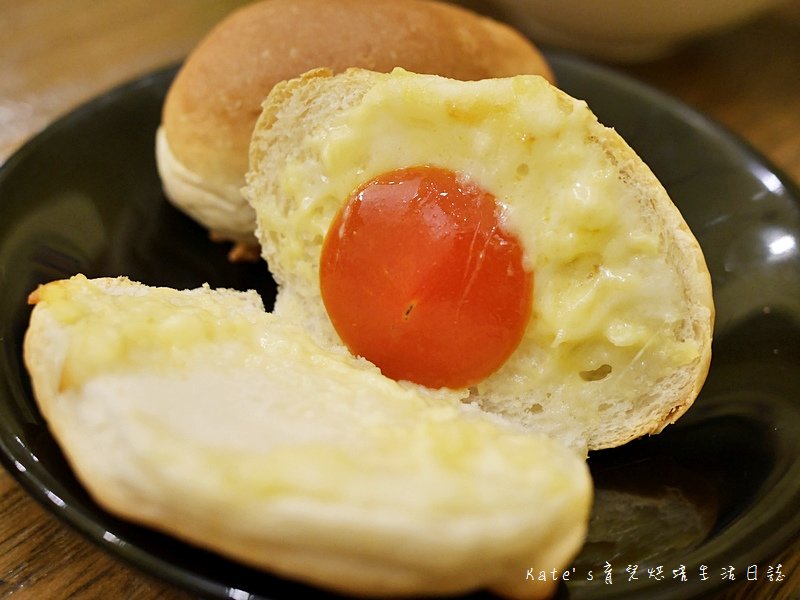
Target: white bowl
{"type": "Point", "coordinates": [625, 30]}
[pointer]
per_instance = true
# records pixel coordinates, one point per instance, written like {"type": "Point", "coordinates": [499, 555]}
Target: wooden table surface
{"type": "Point", "coordinates": [56, 54]}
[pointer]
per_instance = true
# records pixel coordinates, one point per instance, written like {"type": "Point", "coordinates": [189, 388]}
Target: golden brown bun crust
{"type": "Point", "coordinates": [212, 106]}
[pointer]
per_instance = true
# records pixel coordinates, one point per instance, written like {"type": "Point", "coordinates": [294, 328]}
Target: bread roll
{"type": "Point", "coordinates": [199, 414]}
{"type": "Point", "coordinates": [212, 105]}
{"type": "Point", "coordinates": [619, 341]}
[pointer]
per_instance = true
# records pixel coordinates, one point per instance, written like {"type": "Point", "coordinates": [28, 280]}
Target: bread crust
{"type": "Point", "coordinates": [213, 104]}
{"type": "Point", "coordinates": [684, 253]}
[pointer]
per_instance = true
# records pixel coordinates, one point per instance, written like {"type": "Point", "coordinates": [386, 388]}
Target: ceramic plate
{"type": "Point", "coordinates": [718, 490]}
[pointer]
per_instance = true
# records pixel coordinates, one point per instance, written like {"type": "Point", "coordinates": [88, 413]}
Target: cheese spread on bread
{"type": "Point", "coordinates": [622, 306]}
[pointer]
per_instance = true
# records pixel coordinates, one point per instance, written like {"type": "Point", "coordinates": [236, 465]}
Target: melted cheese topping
{"type": "Point", "coordinates": [118, 331]}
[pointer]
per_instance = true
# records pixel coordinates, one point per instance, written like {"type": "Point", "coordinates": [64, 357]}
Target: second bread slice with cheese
{"type": "Point", "coordinates": [619, 341]}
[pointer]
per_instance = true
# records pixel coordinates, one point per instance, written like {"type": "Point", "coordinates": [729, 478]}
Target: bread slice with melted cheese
{"type": "Point", "coordinates": [619, 342]}
{"type": "Point", "coordinates": [198, 413]}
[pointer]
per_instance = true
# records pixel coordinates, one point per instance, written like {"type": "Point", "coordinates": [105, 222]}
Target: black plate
{"type": "Point", "coordinates": [719, 489]}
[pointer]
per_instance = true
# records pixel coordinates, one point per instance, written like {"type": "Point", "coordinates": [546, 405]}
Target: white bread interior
{"type": "Point", "coordinates": [217, 203]}
{"type": "Point", "coordinates": [629, 404]}
{"type": "Point", "coordinates": [215, 99]}
{"type": "Point", "coordinates": [198, 413]}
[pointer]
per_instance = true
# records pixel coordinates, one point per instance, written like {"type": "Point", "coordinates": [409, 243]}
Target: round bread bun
{"type": "Point", "coordinates": [618, 344]}
{"type": "Point", "coordinates": [215, 99]}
